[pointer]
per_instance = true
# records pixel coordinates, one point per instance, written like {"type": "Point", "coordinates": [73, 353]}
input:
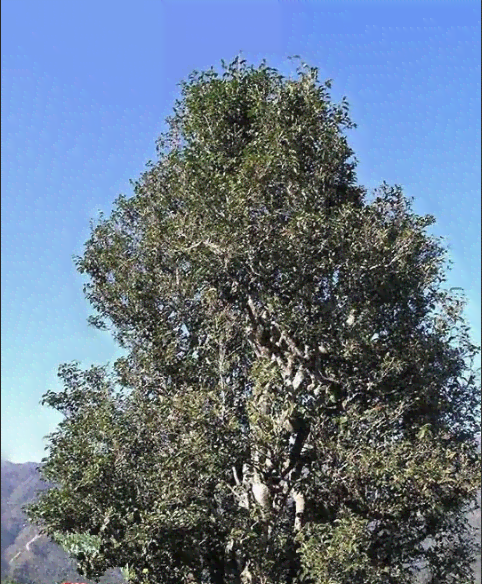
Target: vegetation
{"type": "Point", "coordinates": [298, 402]}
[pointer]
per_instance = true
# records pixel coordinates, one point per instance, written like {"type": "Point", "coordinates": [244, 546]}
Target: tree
{"type": "Point", "coordinates": [298, 401]}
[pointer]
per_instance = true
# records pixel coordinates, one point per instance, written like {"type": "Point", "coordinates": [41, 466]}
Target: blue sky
{"type": "Point", "coordinates": [86, 87]}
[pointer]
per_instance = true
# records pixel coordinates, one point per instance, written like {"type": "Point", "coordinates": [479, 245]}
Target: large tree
{"type": "Point", "coordinates": [298, 402]}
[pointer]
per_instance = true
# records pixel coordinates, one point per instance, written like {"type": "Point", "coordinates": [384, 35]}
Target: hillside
{"type": "Point", "coordinates": [27, 557]}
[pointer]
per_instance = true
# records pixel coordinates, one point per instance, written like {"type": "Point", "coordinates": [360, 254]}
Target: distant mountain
{"type": "Point", "coordinates": [27, 557]}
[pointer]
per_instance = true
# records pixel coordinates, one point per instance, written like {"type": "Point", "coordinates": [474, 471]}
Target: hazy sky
{"type": "Point", "coordinates": [86, 87]}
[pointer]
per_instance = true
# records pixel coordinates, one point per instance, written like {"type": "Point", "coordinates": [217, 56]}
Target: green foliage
{"type": "Point", "coordinates": [298, 402]}
{"type": "Point", "coordinates": [79, 545]}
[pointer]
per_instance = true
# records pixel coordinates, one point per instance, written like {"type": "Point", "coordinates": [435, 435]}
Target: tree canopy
{"type": "Point", "coordinates": [297, 402]}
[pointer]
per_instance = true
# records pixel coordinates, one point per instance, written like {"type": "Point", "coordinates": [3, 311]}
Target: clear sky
{"type": "Point", "coordinates": [86, 87]}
